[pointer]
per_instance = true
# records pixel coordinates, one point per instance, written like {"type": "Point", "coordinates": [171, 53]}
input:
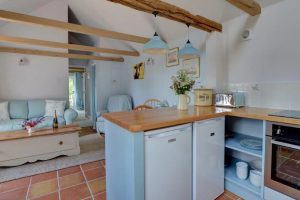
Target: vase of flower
{"type": "Point", "coordinates": [29, 130]}
{"type": "Point", "coordinates": [30, 125]}
{"type": "Point", "coordinates": [182, 84]}
{"type": "Point", "coordinates": [183, 101]}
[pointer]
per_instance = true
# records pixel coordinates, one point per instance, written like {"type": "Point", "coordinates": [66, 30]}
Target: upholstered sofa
{"type": "Point", "coordinates": [20, 110]}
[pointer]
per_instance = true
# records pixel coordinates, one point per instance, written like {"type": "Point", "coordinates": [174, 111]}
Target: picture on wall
{"type": "Point", "coordinates": [172, 57]}
{"type": "Point", "coordinates": [139, 70]}
{"type": "Point", "coordinates": [192, 66]}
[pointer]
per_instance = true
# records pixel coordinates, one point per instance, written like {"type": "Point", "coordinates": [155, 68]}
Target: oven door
{"type": "Point", "coordinates": [282, 169]}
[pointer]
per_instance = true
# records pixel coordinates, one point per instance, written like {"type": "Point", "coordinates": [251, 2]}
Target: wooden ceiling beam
{"type": "Point", "coordinates": [58, 54]}
{"type": "Point", "coordinates": [249, 6]}
{"type": "Point", "coordinates": [172, 12]}
{"type": "Point", "coordinates": [20, 40]}
{"type": "Point", "coordinates": [28, 19]}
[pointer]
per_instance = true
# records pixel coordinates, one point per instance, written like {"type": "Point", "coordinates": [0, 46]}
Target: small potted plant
{"type": "Point", "coordinates": [30, 125]}
{"type": "Point", "coordinates": [182, 84]}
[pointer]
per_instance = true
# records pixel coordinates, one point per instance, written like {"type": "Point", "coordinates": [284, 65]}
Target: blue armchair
{"type": "Point", "coordinates": [116, 103]}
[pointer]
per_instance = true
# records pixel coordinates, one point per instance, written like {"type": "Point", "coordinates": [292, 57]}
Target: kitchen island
{"type": "Point", "coordinates": [125, 146]}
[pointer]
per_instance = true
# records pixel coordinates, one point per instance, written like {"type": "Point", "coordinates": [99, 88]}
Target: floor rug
{"type": "Point", "coordinates": [91, 149]}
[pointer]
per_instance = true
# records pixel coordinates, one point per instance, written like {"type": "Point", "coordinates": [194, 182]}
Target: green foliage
{"type": "Point", "coordinates": [182, 83]}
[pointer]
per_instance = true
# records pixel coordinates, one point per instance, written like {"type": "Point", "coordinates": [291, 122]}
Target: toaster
{"type": "Point", "coordinates": [232, 100]}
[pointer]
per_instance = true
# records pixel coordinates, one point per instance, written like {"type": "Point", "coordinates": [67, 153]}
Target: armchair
{"type": "Point", "coordinates": [116, 103]}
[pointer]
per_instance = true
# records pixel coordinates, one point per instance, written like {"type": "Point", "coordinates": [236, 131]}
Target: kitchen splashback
{"type": "Point", "coordinates": [281, 95]}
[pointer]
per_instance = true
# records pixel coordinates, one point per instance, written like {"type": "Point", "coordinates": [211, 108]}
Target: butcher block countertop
{"type": "Point", "coordinates": [144, 120]}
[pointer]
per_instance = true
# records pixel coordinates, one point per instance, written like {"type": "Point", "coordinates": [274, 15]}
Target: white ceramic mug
{"type": "Point", "coordinates": [242, 170]}
{"type": "Point", "coordinates": [255, 178]}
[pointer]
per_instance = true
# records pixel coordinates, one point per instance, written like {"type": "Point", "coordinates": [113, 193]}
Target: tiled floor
{"type": "Point", "coordinates": [84, 182]}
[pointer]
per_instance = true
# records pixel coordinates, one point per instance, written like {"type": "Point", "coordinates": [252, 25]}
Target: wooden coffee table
{"type": "Point", "coordinates": [17, 147]}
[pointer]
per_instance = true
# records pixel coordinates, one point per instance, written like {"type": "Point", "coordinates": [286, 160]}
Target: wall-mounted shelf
{"type": "Point", "coordinates": [234, 143]}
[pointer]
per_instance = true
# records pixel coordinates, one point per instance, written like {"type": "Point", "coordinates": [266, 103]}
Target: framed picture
{"type": "Point", "coordinates": [192, 66]}
{"type": "Point", "coordinates": [139, 71]}
{"type": "Point", "coordinates": [172, 57]}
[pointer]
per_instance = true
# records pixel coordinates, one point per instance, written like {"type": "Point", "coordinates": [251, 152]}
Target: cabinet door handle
{"type": "Point", "coordinates": [212, 134]}
{"type": "Point", "coordinates": [61, 143]}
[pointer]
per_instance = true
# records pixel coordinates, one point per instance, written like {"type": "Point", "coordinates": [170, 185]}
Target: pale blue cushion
{"type": "Point", "coordinates": [36, 108]}
{"type": "Point", "coordinates": [118, 103]}
{"type": "Point", "coordinates": [18, 109]}
{"type": "Point", "coordinates": [70, 115]}
{"type": "Point", "coordinates": [48, 122]}
{"type": "Point", "coordinates": [11, 125]}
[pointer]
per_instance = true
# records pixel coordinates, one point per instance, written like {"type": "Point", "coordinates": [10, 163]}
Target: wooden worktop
{"type": "Point", "coordinates": [14, 135]}
{"type": "Point", "coordinates": [137, 121]}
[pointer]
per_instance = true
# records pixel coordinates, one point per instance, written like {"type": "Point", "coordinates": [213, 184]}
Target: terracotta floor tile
{"type": "Point", "coordinates": [91, 165]}
{"type": "Point", "coordinates": [97, 186]}
{"type": "Point", "coordinates": [68, 171]}
{"type": "Point", "coordinates": [14, 184]}
{"type": "Point", "coordinates": [42, 188]}
{"type": "Point", "coordinates": [43, 177]}
{"type": "Point", "coordinates": [224, 197]}
{"type": "Point", "coordinates": [18, 194]}
{"type": "Point", "coordinates": [70, 180]}
{"type": "Point", "coordinates": [101, 196]}
{"type": "Point", "coordinates": [75, 193]}
{"type": "Point", "coordinates": [231, 195]}
{"type": "Point", "coordinates": [95, 173]}
{"type": "Point", "coordinates": [53, 196]}
{"type": "Point", "coordinates": [103, 163]}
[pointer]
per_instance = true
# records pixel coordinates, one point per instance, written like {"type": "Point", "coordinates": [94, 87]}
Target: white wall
{"type": "Point", "coordinates": [109, 81]}
{"type": "Point", "coordinates": [43, 77]}
{"type": "Point", "coordinates": [270, 59]}
{"type": "Point", "coordinates": [157, 80]}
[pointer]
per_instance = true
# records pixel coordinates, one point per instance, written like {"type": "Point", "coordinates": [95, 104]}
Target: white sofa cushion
{"type": "Point", "coordinates": [52, 105]}
{"type": "Point", "coordinates": [4, 115]}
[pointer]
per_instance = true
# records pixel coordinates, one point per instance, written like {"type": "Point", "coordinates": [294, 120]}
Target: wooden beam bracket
{"type": "Point", "coordinates": [44, 43]}
{"type": "Point", "coordinates": [28, 19]}
{"type": "Point", "coordinates": [172, 12]}
{"type": "Point", "coordinates": [249, 6]}
{"type": "Point", "coordinates": [58, 54]}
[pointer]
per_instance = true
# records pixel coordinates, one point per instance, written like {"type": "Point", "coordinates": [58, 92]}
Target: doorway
{"type": "Point", "coordinates": [77, 90]}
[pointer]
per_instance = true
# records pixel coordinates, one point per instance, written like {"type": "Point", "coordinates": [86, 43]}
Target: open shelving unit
{"type": "Point", "coordinates": [234, 144]}
{"type": "Point", "coordinates": [230, 175]}
{"type": "Point", "coordinates": [243, 129]}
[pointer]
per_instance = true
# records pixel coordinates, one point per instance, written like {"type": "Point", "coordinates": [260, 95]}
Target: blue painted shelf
{"type": "Point", "coordinates": [230, 176]}
{"type": "Point", "coordinates": [234, 143]}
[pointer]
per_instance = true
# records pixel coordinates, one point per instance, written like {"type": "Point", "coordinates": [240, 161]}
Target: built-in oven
{"type": "Point", "coordinates": [282, 161]}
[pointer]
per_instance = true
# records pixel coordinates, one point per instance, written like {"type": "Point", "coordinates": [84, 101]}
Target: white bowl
{"type": "Point", "coordinates": [255, 178]}
{"type": "Point", "coordinates": [242, 170]}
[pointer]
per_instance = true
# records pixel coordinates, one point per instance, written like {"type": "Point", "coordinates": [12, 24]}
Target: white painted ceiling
{"type": "Point", "coordinates": [111, 16]}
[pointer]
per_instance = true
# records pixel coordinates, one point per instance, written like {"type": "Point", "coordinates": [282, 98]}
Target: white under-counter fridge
{"type": "Point", "coordinates": [168, 163]}
{"type": "Point", "coordinates": [208, 158]}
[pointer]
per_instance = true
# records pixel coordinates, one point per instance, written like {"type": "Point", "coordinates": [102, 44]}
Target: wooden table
{"type": "Point", "coordinates": [18, 147]}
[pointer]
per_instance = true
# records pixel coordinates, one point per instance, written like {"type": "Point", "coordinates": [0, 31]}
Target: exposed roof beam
{"type": "Point", "coordinates": [28, 19]}
{"type": "Point", "coordinates": [58, 54]}
{"type": "Point", "coordinates": [172, 12]}
{"type": "Point", "coordinates": [20, 40]}
{"type": "Point", "coordinates": [249, 6]}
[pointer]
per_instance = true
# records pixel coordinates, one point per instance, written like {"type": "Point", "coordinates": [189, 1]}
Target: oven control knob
{"type": "Point", "coordinates": [278, 132]}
